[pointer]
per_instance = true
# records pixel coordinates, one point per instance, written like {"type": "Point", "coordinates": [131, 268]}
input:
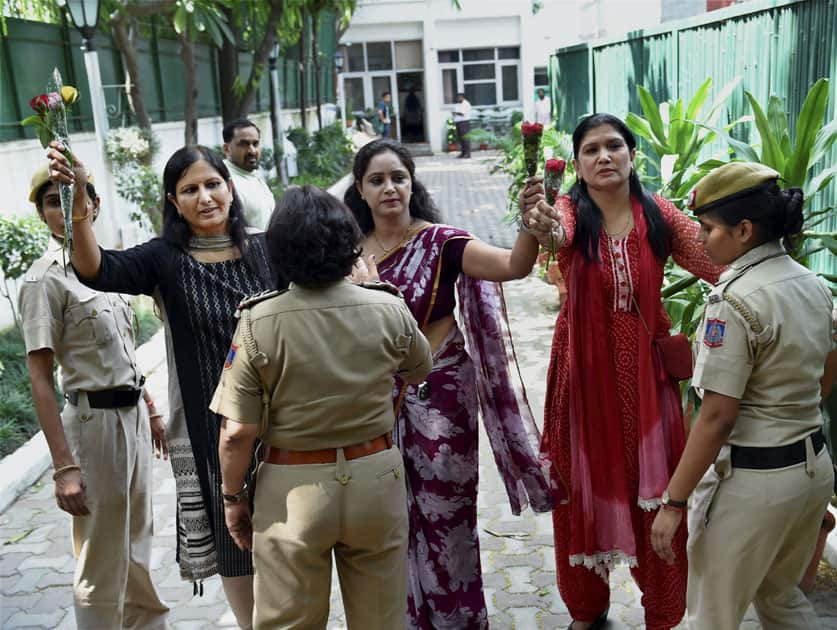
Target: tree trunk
{"type": "Point", "coordinates": [190, 108]}
{"type": "Point", "coordinates": [228, 69]}
{"type": "Point", "coordinates": [127, 46]}
{"type": "Point", "coordinates": [302, 72]}
{"type": "Point", "coordinates": [260, 57]}
{"type": "Point", "coordinates": [315, 22]}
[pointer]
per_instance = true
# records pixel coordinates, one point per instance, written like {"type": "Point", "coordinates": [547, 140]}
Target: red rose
{"type": "Point", "coordinates": [39, 103]}
{"type": "Point", "coordinates": [555, 166]}
{"type": "Point", "coordinates": [530, 130]}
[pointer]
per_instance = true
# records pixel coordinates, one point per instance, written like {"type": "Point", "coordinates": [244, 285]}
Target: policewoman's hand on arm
{"type": "Point", "coordinates": [364, 270]}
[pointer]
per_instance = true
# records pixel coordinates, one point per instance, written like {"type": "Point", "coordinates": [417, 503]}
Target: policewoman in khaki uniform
{"type": "Point", "coordinates": [762, 350]}
{"type": "Point", "coordinates": [101, 443]}
{"type": "Point", "coordinates": [316, 363]}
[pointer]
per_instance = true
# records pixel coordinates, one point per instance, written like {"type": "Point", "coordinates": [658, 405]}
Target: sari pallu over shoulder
{"type": "Point", "coordinates": [415, 269]}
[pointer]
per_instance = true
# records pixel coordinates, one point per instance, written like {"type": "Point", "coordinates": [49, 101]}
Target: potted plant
{"type": "Point", "coordinates": [451, 135]}
{"type": "Point", "coordinates": [482, 137]}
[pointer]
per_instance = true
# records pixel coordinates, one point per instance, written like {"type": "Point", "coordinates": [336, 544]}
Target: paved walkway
{"type": "Point", "coordinates": [517, 552]}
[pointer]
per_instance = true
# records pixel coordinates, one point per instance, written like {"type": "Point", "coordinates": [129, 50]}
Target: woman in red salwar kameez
{"type": "Point", "coordinates": [613, 423]}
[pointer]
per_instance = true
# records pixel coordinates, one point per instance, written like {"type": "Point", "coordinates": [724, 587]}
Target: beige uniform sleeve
{"type": "Point", "coordinates": [724, 359]}
{"type": "Point", "coordinates": [239, 392]}
{"type": "Point", "coordinates": [41, 306]}
{"type": "Point", "coordinates": [418, 360]}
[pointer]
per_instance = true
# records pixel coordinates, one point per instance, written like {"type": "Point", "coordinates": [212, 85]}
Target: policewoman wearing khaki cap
{"type": "Point", "coordinates": [101, 443]}
{"type": "Point", "coordinates": [765, 359]}
{"type": "Point", "coordinates": [314, 367]}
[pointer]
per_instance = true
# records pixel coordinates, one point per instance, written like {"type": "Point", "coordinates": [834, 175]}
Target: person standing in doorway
{"type": "Point", "coordinates": [543, 108]}
{"type": "Point", "coordinates": [384, 114]}
{"type": "Point", "coordinates": [242, 149]}
{"type": "Point", "coordinates": [462, 119]}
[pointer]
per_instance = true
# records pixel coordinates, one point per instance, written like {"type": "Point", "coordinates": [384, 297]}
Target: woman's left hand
{"type": "Point", "coordinates": [662, 533]}
{"type": "Point", "coordinates": [237, 516]}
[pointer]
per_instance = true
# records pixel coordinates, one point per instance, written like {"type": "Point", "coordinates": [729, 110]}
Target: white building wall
{"type": "Point", "coordinates": [492, 23]}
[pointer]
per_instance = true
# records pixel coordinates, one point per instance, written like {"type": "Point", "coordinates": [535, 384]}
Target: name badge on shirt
{"type": "Point", "coordinates": [230, 357]}
{"type": "Point", "coordinates": [714, 335]}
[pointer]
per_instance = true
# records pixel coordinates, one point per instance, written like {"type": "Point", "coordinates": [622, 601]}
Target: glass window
{"type": "Point", "coordinates": [471, 72]}
{"type": "Point", "coordinates": [379, 86]}
{"type": "Point", "coordinates": [355, 58]}
{"type": "Point", "coordinates": [449, 85]}
{"type": "Point", "coordinates": [541, 76]}
{"type": "Point", "coordinates": [512, 52]}
{"type": "Point", "coordinates": [481, 93]}
{"type": "Point", "coordinates": [379, 56]}
{"type": "Point", "coordinates": [354, 94]}
{"type": "Point", "coordinates": [408, 55]}
{"type": "Point", "coordinates": [478, 54]}
{"type": "Point", "coordinates": [448, 56]}
{"type": "Point", "coordinates": [509, 74]}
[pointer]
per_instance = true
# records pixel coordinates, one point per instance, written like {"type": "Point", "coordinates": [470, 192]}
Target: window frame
{"type": "Point", "coordinates": [497, 81]}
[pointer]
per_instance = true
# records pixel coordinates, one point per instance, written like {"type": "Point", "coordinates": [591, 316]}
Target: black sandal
{"type": "Point", "coordinates": [598, 624]}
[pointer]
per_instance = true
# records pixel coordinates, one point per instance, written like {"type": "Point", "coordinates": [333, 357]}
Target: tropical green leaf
{"type": "Point", "coordinates": [825, 138]}
{"type": "Point", "coordinates": [778, 120]}
{"type": "Point", "coordinates": [635, 123]}
{"type": "Point", "coordinates": [807, 126]}
{"type": "Point", "coordinates": [720, 101]}
{"type": "Point", "coordinates": [698, 99]}
{"type": "Point", "coordinates": [771, 152]}
{"type": "Point", "coordinates": [652, 115]}
{"type": "Point", "coordinates": [820, 181]}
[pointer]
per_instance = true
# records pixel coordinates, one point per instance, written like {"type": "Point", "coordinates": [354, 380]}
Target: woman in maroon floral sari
{"type": "Point", "coordinates": [474, 373]}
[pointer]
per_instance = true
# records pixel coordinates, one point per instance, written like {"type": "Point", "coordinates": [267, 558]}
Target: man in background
{"type": "Point", "coordinates": [543, 108]}
{"type": "Point", "coordinates": [462, 119]}
{"type": "Point", "coordinates": [242, 149]}
{"type": "Point", "coordinates": [384, 114]}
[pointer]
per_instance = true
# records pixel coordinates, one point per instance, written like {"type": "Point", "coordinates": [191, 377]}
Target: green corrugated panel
{"type": "Point", "coordinates": [777, 47]}
{"type": "Point", "coordinates": [569, 80]}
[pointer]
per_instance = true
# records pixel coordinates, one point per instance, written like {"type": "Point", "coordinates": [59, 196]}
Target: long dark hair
{"type": "Point", "coordinates": [777, 213]}
{"type": "Point", "coordinates": [175, 228]}
{"type": "Point", "coordinates": [421, 203]}
{"type": "Point", "coordinates": [589, 215]}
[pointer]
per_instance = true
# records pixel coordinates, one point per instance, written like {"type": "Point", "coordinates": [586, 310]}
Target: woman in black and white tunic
{"type": "Point", "coordinates": [199, 270]}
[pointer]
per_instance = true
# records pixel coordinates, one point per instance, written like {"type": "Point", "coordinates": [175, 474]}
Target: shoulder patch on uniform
{"type": "Point", "coordinates": [230, 356]}
{"type": "Point", "coordinates": [713, 337]}
{"type": "Point", "coordinates": [38, 270]}
{"type": "Point", "coordinates": [252, 300]}
{"type": "Point", "coordinates": [382, 286]}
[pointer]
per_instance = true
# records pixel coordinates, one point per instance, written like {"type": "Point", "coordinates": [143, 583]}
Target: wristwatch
{"type": "Point", "coordinates": [238, 497]}
{"type": "Point", "coordinates": [668, 502]}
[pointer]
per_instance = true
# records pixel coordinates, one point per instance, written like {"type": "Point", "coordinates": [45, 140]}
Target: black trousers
{"type": "Point", "coordinates": [462, 128]}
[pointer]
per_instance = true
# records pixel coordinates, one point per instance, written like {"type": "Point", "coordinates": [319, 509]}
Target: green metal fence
{"type": "Point", "coordinates": [776, 47]}
{"type": "Point", "coordinates": [30, 50]}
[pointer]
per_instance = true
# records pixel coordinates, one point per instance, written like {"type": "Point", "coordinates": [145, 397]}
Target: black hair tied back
{"type": "Point", "coordinates": [789, 215]}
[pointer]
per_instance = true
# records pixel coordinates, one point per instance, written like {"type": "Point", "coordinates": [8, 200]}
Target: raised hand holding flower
{"type": "Point", "coordinates": [532, 133]}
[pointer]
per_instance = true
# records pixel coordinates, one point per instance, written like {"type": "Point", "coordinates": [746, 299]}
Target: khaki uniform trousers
{"type": "Point", "coordinates": [759, 539]}
{"type": "Point", "coordinates": [304, 512]}
{"type": "Point", "coordinates": [112, 585]}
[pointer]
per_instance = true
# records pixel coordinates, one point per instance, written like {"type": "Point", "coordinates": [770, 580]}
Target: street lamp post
{"type": "Point", "coordinates": [276, 119]}
{"type": "Point", "coordinates": [85, 17]}
{"type": "Point", "coordinates": [341, 97]}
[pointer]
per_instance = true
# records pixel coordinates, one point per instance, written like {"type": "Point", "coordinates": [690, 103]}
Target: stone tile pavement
{"type": "Point", "coordinates": [517, 553]}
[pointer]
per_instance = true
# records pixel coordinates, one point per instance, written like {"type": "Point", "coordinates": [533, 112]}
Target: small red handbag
{"type": "Point", "coordinates": [674, 351]}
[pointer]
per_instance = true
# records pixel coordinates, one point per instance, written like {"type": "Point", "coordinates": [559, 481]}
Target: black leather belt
{"type": "Point", "coordinates": [109, 398]}
{"type": "Point", "coordinates": [771, 457]}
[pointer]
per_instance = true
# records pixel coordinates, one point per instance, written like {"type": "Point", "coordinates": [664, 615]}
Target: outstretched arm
{"type": "Point", "coordinates": [86, 257]}
{"type": "Point", "coordinates": [486, 262]}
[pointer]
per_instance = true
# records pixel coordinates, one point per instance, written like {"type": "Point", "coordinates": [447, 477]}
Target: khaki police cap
{"type": "Point", "coordinates": [728, 182]}
{"type": "Point", "coordinates": [41, 177]}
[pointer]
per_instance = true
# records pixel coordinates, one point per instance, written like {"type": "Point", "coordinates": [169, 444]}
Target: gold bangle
{"type": "Point", "coordinates": [60, 471]}
{"type": "Point", "coordinates": [84, 218]}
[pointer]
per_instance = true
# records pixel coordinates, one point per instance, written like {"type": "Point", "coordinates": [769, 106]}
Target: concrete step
{"type": "Point", "coordinates": [419, 149]}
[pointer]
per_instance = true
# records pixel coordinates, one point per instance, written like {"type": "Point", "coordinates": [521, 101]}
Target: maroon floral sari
{"type": "Point", "coordinates": [473, 374]}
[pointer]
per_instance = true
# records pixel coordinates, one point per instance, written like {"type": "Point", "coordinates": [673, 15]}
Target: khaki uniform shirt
{"type": "Point", "coordinates": [325, 359]}
{"type": "Point", "coordinates": [91, 333]}
{"type": "Point", "coordinates": [764, 339]}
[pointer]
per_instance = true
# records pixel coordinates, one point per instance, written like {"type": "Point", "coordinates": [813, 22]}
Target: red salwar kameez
{"type": "Point", "coordinates": [591, 538]}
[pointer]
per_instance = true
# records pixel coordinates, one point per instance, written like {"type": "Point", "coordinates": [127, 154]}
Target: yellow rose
{"type": "Point", "coordinates": [69, 94]}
